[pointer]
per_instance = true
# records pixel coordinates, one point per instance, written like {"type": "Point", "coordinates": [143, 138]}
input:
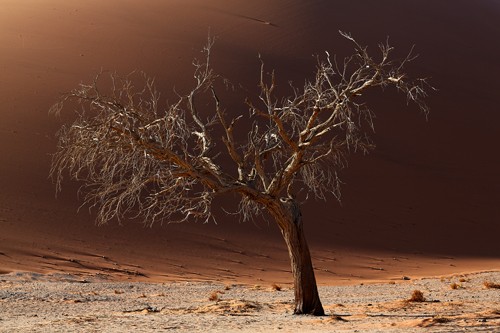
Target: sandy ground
{"type": "Point", "coordinates": [67, 303]}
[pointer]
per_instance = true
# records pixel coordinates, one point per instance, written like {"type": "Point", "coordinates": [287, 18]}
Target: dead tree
{"type": "Point", "coordinates": [138, 159]}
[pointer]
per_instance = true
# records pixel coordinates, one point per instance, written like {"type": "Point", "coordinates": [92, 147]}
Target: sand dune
{"type": "Point", "coordinates": [425, 203]}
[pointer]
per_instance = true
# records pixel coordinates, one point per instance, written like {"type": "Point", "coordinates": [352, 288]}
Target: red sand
{"type": "Point", "coordinates": [426, 202]}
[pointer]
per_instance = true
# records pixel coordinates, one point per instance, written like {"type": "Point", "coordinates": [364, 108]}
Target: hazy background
{"type": "Point", "coordinates": [430, 189]}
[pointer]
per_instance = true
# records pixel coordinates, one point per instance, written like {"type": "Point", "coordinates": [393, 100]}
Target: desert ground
{"type": "Point", "coordinates": [423, 205]}
{"type": "Point", "coordinates": [69, 303]}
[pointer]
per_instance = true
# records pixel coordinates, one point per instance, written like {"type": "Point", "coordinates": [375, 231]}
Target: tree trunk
{"type": "Point", "coordinates": [289, 218]}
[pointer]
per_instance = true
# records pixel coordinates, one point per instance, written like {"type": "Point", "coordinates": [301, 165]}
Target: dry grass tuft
{"type": "Point", "coordinates": [276, 287]}
{"type": "Point", "coordinates": [441, 320]}
{"type": "Point", "coordinates": [215, 296]}
{"type": "Point", "coordinates": [230, 307]}
{"type": "Point", "coordinates": [455, 286]}
{"type": "Point", "coordinates": [491, 285]}
{"type": "Point", "coordinates": [159, 295]}
{"type": "Point", "coordinates": [434, 321]}
{"type": "Point", "coordinates": [417, 296]}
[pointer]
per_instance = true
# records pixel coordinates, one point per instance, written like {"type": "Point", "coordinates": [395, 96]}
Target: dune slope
{"type": "Point", "coordinates": [424, 203]}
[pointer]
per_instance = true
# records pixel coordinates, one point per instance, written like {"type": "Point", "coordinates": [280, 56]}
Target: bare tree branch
{"type": "Point", "coordinates": [138, 159]}
{"type": "Point", "coordinates": [161, 164]}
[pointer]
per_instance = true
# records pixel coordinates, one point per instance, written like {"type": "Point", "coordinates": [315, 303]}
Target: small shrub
{"type": "Point", "coordinates": [214, 297]}
{"type": "Point", "coordinates": [491, 285]}
{"type": "Point", "coordinates": [455, 286]}
{"type": "Point", "coordinates": [462, 280]}
{"type": "Point", "coordinates": [429, 322]}
{"type": "Point", "coordinates": [417, 296]}
{"type": "Point", "coordinates": [276, 287]}
{"type": "Point", "coordinates": [441, 320]}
